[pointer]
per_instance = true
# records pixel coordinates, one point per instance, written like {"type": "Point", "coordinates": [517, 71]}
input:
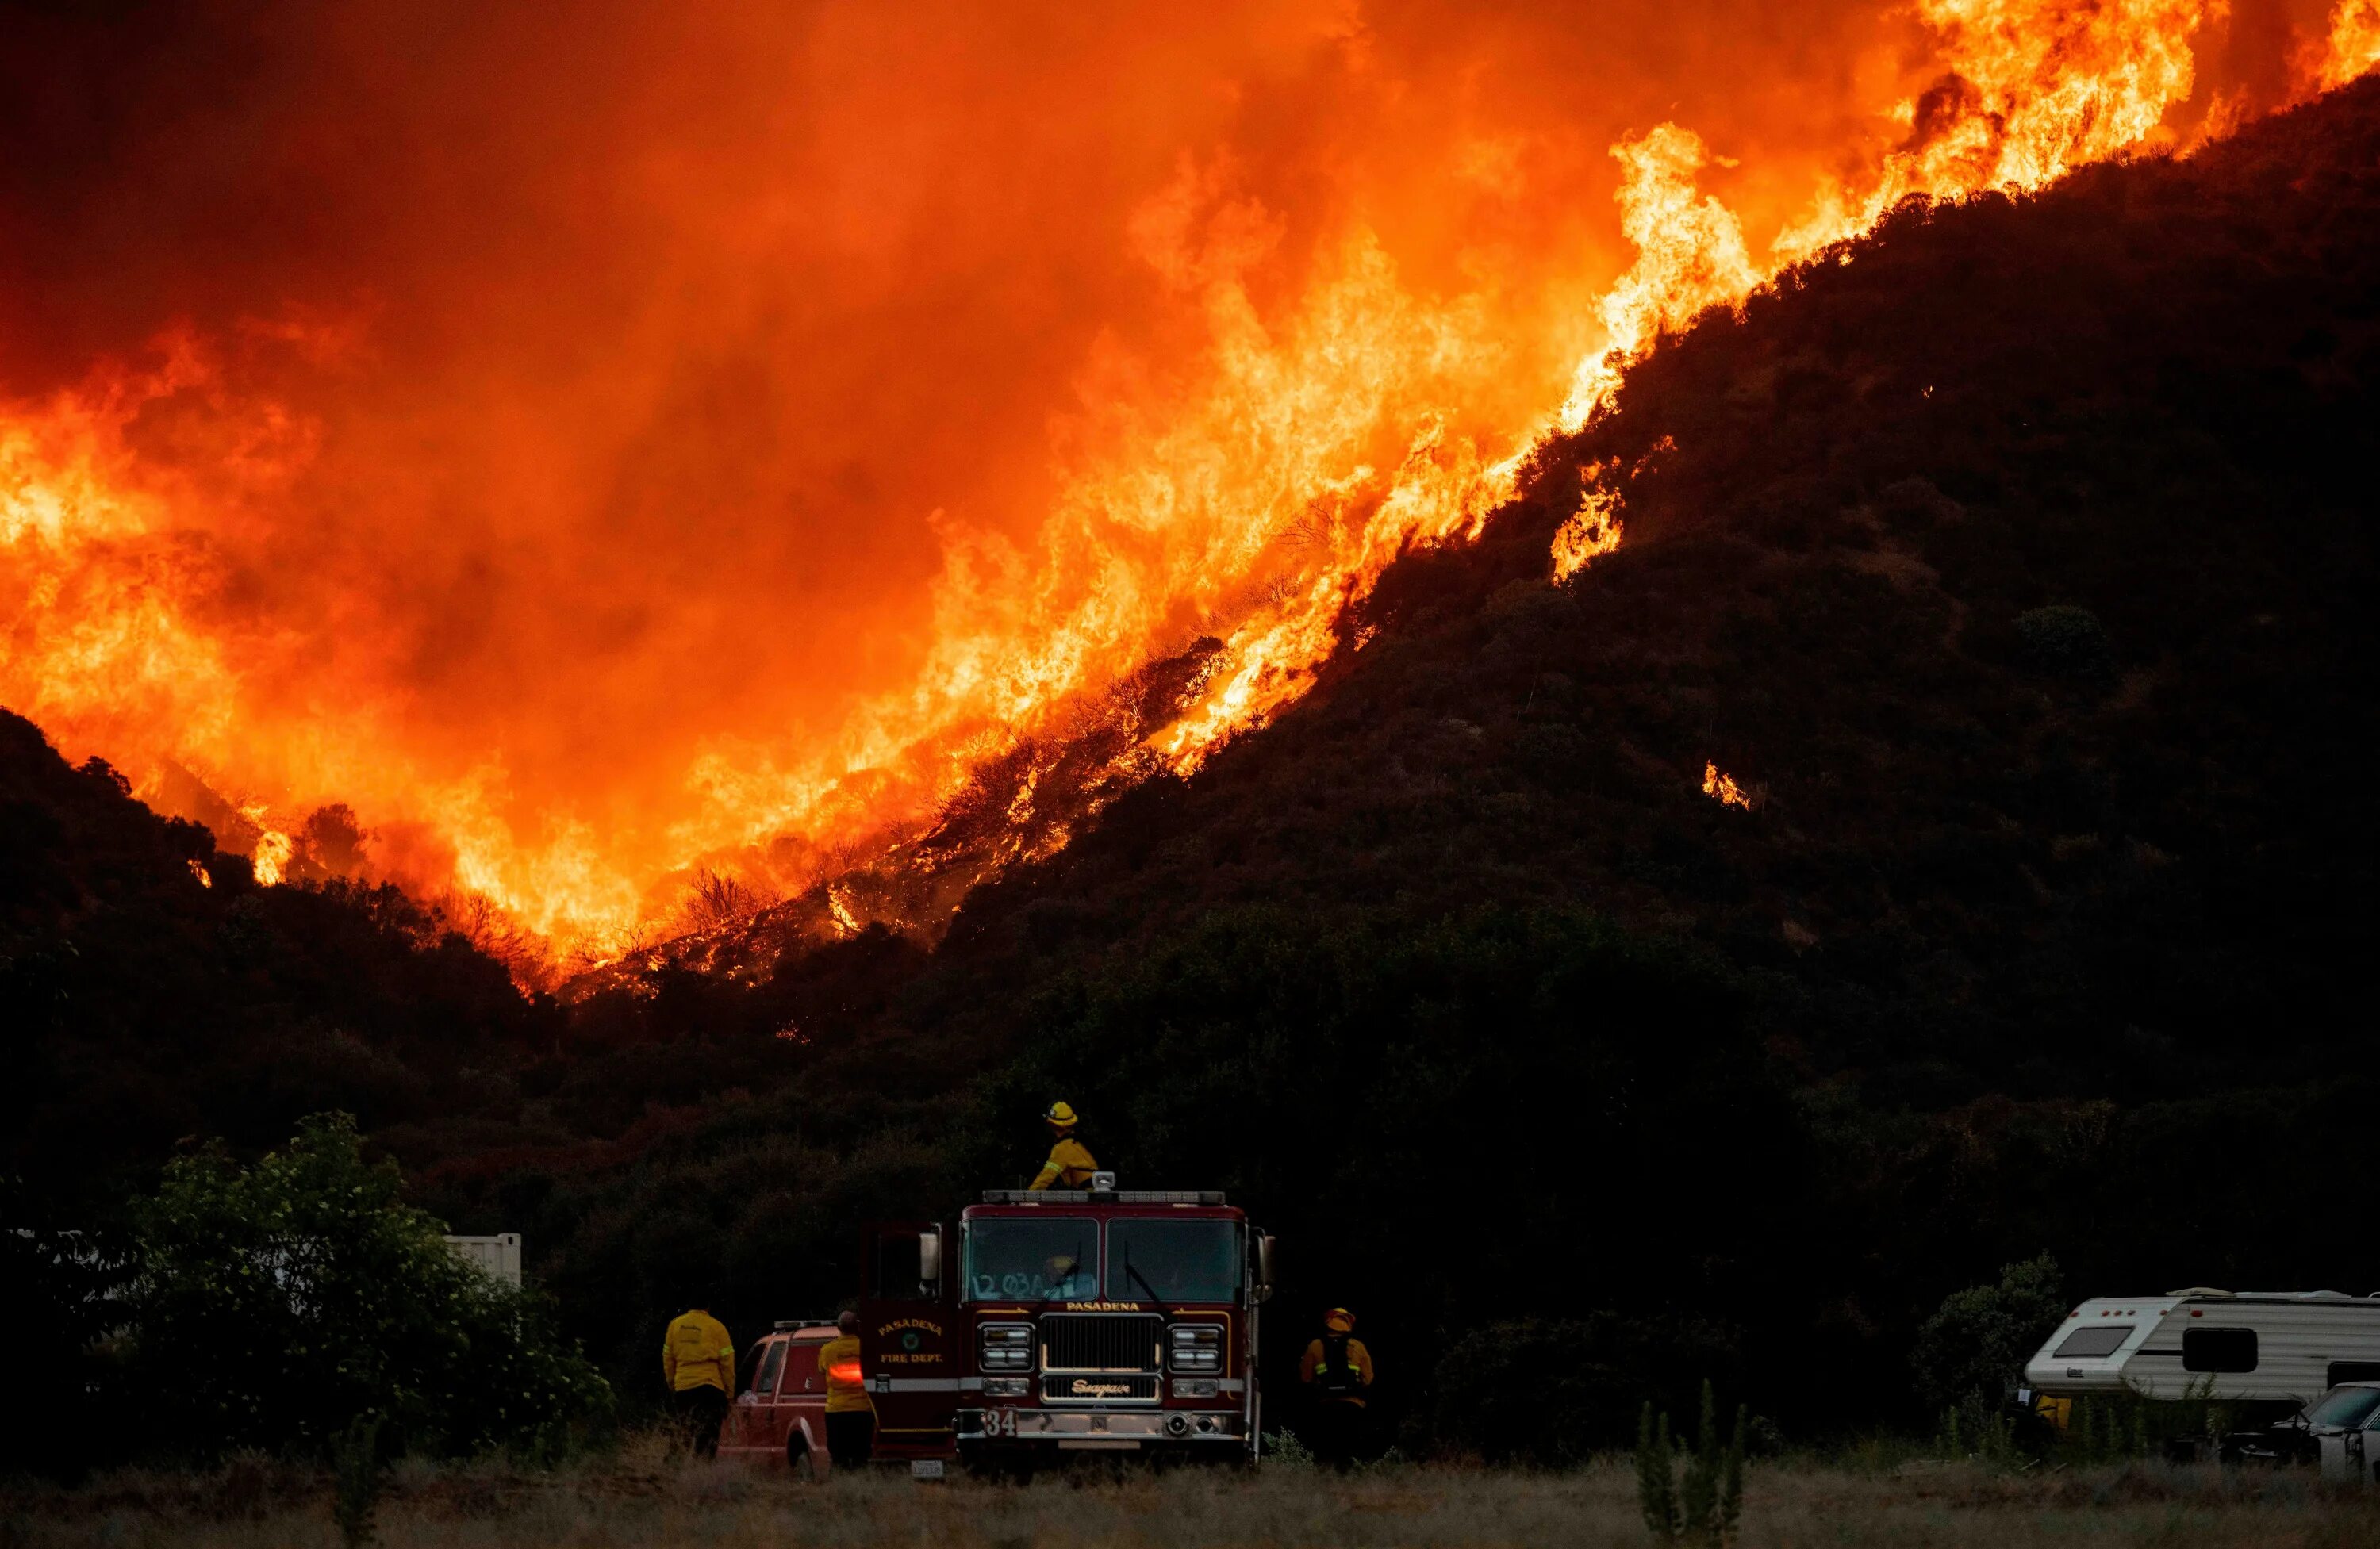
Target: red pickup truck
{"type": "Point", "coordinates": [781, 1414]}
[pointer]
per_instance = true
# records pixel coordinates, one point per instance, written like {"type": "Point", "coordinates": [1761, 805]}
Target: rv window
{"type": "Point", "coordinates": [2098, 1340]}
{"type": "Point", "coordinates": [2348, 1409]}
{"type": "Point", "coordinates": [2354, 1371]}
{"type": "Point", "coordinates": [2218, 1350]}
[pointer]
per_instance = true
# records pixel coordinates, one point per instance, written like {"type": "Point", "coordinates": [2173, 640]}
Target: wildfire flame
{"type": "Point", "coordinates": [2353, 46]}
{"type": "Point", "coordinates": [1723, 789]}
{"type": "Point", "coordinates": [1216, 506]}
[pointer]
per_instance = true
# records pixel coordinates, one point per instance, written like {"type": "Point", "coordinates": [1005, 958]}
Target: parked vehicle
{"type": "Point", "coordinates": [499, 1254]}
{"type": "Point", "coordinates": [2346, 1425]}
{"type": "Point", "coordinates": [2202, 1343]}
{"type": "Point", "coordinates": [1059, 1321]}
{"type": "Point", "coordinates": [780, 1416]}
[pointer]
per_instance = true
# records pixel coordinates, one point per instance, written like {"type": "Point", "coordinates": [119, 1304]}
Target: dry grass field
{"type": "Point", "coordinates": [642, 1497]}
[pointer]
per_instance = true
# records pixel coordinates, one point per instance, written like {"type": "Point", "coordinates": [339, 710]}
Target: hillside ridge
{"type": "Point", "coordinates": [2013, 562]}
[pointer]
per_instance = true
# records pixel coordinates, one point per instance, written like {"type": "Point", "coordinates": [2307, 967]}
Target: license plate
{"type": "Point", "coordinates": [925, 1467]}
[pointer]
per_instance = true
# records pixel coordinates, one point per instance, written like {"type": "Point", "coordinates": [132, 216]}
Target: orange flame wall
{"type": "Point", "coordinates": [594, 440]}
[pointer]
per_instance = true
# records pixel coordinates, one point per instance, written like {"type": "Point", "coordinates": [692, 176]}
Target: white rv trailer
{"type": "Point", "coordinates": [498, 1256]}
{"type": "Point", "coordinates": [2211, 1344]}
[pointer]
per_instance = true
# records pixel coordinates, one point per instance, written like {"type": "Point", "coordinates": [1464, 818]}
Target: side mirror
{"type": "Point", "coordinates": [1264, 1267]}
{"type": "Point", "coordinates": [929, 1257]}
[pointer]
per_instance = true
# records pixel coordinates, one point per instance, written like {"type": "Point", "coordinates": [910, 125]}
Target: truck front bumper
{"type": "Point", "coordinates": [1100, 1430]}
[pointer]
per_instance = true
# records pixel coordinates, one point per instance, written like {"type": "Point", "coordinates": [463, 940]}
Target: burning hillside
{"type": "Point", "coordinates": [631, 479]}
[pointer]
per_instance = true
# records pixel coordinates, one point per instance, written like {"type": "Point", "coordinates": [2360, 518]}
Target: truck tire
{"type": "Point", "coordinates": [797, 1458]}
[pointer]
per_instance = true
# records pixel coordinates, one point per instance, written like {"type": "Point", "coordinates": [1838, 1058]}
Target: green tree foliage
{"type": "Point", "coordinates": [281, 1303]}
{"type": "Point", "coordinates": [1976, 1343]}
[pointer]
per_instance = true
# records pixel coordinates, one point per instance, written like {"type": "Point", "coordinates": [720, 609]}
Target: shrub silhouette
{"type": "Point", "coordinates": [289, 1303]}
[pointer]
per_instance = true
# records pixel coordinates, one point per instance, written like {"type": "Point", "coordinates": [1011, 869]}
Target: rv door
{"type": "Point", "coordinates": [908, 1348]}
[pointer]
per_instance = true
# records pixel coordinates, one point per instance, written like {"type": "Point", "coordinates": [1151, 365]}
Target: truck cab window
{"type": "Point", "coordinates": [2347, 1409]}
{"type": "Point", "coordinates": [774, 1357]}
{"type": "Point", "coordinates": [1173, 1260]}
{"type": "Point", "coordinates": [2218, 1350]}
{"type": "Point", "coordinates": [897, 1272]}
{"type": "Point", "coordinates": [1037, 1260]}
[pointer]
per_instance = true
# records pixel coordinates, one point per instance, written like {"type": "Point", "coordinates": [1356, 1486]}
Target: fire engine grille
{"type": "Point", "coordinates": [1098, 1387]}
{"type": "Point", "coordinates": [1102, 1342]}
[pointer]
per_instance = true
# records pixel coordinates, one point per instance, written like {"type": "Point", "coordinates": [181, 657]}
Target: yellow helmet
{"type": "Point", "coordinates": [1061, 1115]}
{"type": "Point", "coordinates": [1339, 1321]}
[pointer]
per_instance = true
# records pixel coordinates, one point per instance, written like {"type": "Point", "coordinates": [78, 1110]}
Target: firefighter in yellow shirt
{"type": "Point", "coordinates": [850, 1412]}
{"type": "Point", "coordinates": [1336, 1370]}
{"type": "Point", "coordinates": [698, 1363]}
{"type": "Point", "coordinates": [1070, 1165]}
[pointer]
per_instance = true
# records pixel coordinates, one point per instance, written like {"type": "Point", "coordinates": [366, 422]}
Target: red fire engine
{"type": "Point", "coordinates": [1066, 1320]}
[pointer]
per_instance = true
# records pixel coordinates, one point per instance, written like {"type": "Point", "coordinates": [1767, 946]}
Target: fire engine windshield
{"type": "Point", "coordinates": [1173, 1261]}
{"type": "Point", "coordinates": [1032, 1261]}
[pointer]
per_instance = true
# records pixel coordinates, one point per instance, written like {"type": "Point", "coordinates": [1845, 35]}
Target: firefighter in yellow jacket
{"type": "Point", "coordinates": [1070, 1165]}
{"type": "Point", "coordinates": [850, 1412]}
{"type": "Point", "coordinates": [1336, 1370]}
{"type": "Point", "coordinates": [698, 1363]}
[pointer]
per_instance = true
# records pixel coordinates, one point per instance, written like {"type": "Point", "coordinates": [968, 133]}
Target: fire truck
{"type": "Point", "coordinates": [1065, 1320]}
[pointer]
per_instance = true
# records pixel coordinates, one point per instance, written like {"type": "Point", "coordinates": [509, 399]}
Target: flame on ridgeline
{"type": "Point", "coordinates": [1195, 569]}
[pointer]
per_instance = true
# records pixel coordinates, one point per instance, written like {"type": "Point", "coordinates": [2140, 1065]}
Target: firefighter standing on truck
{"type": "Point", "coordinates": [850, 1412]}
{"type": "Point", "coordinates": [1070, 1165]}
{"type": "Point", "coordinates": [1336, 1370]}
{"type": "Point", "coordinates": [698, 1363]}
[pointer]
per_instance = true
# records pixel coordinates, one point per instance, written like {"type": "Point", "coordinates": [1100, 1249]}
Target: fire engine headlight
{"type": "Point", "coordinates": [1196, 1346]}
{"type": "Point", "coordinates": [1005, 1387]}
{"type": "Point", "coordinates": [1196, 1388]}
{"type": "Point", "coordinates": [1006, 1347]}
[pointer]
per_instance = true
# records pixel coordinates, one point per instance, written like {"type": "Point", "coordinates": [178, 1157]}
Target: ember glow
{"type": "Point", "coordinates": [654, 463]}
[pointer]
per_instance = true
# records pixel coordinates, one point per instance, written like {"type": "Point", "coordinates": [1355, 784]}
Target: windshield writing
{"type": "Point", "coordinates": [1032, 1261]}
{"type": "Point", "coordinates": [1173, 1261]}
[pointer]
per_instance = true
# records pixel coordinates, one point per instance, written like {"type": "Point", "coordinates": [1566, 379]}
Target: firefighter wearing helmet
{"type": "Point", "coordinates": [1070, 1165]}
{"type": "Point", "coordinates": [1336, 1370]}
